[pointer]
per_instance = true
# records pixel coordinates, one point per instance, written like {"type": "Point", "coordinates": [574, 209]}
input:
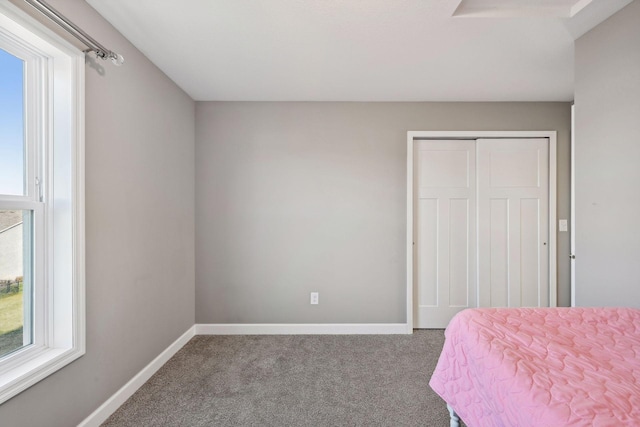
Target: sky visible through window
{"type": "Point", "coordinates": [11, 124]}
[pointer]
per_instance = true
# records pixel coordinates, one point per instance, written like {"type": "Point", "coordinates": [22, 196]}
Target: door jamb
{"type": "Point", "coordinates": [412, 136]}
{"type": "Point", "coordinates": [572, 220]}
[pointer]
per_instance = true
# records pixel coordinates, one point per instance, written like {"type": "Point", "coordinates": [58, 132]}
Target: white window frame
{"type": "Point", "coordinates": [54, 129]}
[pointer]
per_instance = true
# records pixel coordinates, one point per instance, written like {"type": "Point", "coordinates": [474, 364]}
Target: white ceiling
{"type": "Point", "coordinates": [362, 50]}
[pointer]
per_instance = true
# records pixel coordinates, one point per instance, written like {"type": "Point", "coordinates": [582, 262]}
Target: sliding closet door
{"type": "Point", "coordinates": [445, 230]}
{"type": "Point", "coordinates": [513, 222]}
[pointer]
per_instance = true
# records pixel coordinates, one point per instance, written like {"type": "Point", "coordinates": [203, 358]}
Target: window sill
{"type": "Point", "coordinates": [30, 372]}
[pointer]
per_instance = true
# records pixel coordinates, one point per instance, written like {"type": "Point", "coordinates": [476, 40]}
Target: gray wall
{"type": "Point", "coordinates": [300, 197]}
{"type": "Point", "coordinates": [140, 231]}
{"type": "Point", "coordinates": [607, 99]}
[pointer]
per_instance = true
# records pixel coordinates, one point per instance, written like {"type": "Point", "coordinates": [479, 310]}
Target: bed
{"type": "Point", "coordinates": [541, 367]}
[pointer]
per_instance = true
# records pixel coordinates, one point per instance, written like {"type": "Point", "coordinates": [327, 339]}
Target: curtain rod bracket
{"type": "Point", "coordinates": [115, 58]}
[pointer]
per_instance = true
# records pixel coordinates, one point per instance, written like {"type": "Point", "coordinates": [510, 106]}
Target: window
{"type": "Point", "coordinates": [15, 231]}
{"type": "Point", "coordinates": [41, 202]}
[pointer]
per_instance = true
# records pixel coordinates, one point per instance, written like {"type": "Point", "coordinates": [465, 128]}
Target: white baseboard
{"type": "Point", "coordinates": [302, 328]}
{"type": "Point", "coordinates": [101, 414]}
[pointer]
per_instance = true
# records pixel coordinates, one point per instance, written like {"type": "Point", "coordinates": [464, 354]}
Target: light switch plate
{"type": "Point", "coordinates": [562, 226]}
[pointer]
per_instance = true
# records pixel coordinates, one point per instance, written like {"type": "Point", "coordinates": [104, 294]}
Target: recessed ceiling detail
{"type": "Point", "coordinates": [360, 50]}
{"type": "Point", "coordinates": [520, 8]}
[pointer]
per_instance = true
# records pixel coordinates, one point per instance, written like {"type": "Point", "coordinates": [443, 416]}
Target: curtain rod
{"type": "Point", "coordinates": [61, 20]}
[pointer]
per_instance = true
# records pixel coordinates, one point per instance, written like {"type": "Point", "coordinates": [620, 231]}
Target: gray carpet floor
{"type": "Point", "coordinates": [297, 380]}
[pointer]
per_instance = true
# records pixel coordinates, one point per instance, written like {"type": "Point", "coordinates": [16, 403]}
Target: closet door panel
{"type": "Point", "coordinates": [445, 230]}
{"type": "Point", "coordinates": [513, 195]}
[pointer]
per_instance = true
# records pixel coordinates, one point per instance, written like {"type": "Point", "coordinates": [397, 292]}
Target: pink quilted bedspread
{"type": "Point", "coordinates": [542, 367]}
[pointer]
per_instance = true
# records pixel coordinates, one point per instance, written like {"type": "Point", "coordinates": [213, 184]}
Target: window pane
{"type": "Point", "coordinates": [15, 277]}
{"type": "Point", "coordinates": [12, 152]}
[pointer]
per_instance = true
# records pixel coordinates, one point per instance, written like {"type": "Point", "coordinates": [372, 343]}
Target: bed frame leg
{"type": "Point", "coordinates": [455, 419]}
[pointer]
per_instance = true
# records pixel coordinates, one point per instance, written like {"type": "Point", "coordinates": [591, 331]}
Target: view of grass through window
{"type": "Point", "coordinates": [14, 303]}
{"type": "Point", "coordinates": [12, 297]}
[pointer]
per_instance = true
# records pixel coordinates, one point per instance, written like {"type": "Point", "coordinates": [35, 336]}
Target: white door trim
{"type": "Point", "coordinates": [417, 135]}
{"type": "Point", "coordinates": [572, 220]}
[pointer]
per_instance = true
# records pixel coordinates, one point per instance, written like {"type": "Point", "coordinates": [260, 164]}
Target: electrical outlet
{"type": "Point", "coordinates": [315, 297]}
